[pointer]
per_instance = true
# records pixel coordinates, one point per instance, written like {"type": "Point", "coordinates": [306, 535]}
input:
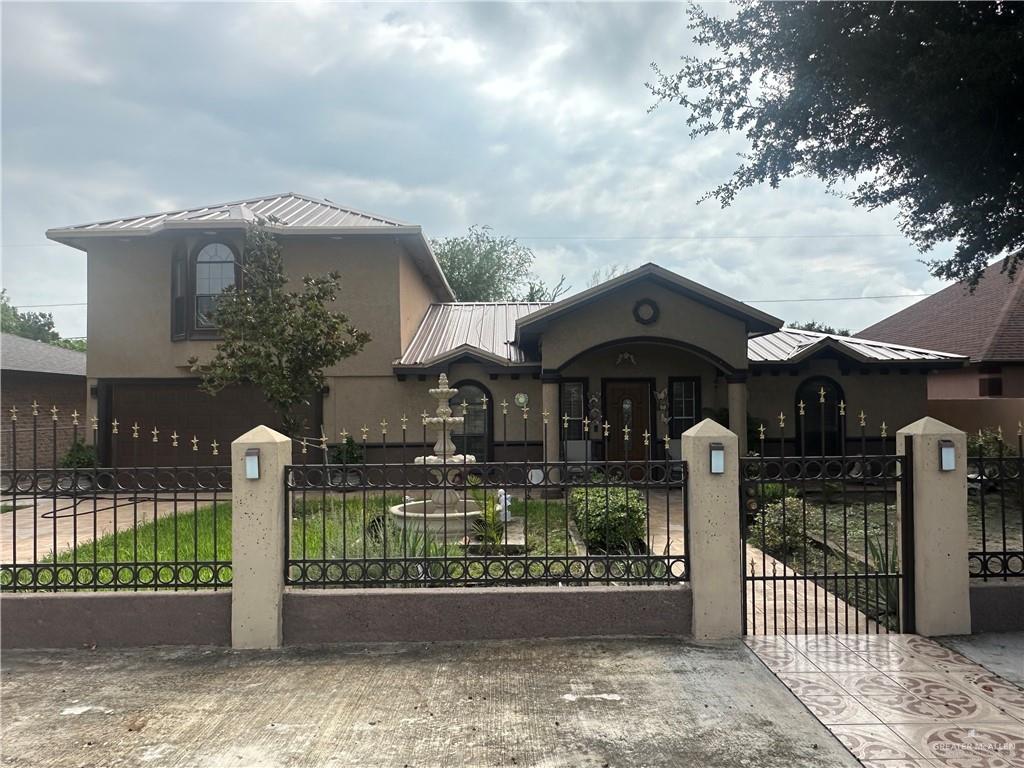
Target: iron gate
{"type": "Point", "coordinates": [828, 542]}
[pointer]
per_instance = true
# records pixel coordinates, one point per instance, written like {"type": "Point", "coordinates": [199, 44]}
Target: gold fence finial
{"type": "Point", "coordinates": [884, 430]}
{"type": "Point", "coordinates": [1020, 428]}
{"type": "Point", "coordinates": [483, 401]}
{"type": "Point", "coordinates": [647, 437]}
{"type": "Point", "coordinates": [405, 422]}
{"type": "Point", "coordinates": [465, 406]}
{"type": "Point", "coordinates": [668, 441]}
{"type": "Point", "coordinates": [35, 408]}
{"type": "Point", "coordinates": [821, 395]}
{"type": "Point", "coordinates": [323, 439]}
{"type": "Point", "coordinates": [135, 429]}
{"type": "Point", "coordinates": [802, 407]}
{"type": "Point", "coordinates": [113, 427]}
{"type": "Point", "coordinates": [625, 433]}
{"type": "Point", "coordinates": [343, 435]}
{"type": "Point", "coordinates": [174, 439]}
{"type": "Point", "coordinates": [14, 413]}
{"type": "Point", "coordinates": [782, 420]}
{"type": "Point", "coordinates": [760, 431]}
{"type": "Point", "coordinates": [53, 410]}
{"type": "Point", "coordinates": [504, 407]}
{"type": "Point", "coordinates": [586, 427]}
{"type": "Point", "coordinates": [842, 407]}
{"type": "Point", "coordinates": [383, 426]}
{"type": "Point", "coordinates": [606, 426]}
{"type": "Point", "coordinates": [526, 412]}
{"type": "Point", "coordinates": [565, 421]}
{"type": "Point", "coordinates": [545, 415]}
{"type": "Point", "coordinates": [95, 423]}
{"type": "Point", "coordinates": [195, 443]}
{"type": "Point", "coordinates": [156, 435]}
{"type": "Point", "coordinates": [74, 418]}
{"type": "Point", "coordinates": [424, 416]}
{"type": "Point", "coordinates": [365, 430]}
{"type": "Point", "coordinates": [863, 418]}
{"type": "Point", "coordinates": [215, 445]}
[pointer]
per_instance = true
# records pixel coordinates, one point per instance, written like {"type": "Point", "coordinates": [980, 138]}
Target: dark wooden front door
{"type": "Point", "coordinates": [628, 404]}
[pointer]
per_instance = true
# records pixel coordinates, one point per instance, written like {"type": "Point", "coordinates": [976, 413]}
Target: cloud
{"type": "Point", "coordinates": [532, 118]}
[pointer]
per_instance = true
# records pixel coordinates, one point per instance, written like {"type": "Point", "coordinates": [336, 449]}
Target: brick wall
{"type": "Point", "coordinates": [20, 388]}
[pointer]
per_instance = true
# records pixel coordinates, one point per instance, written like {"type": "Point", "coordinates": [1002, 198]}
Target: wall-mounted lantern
{"type": "Point", "coordinates": [717, 459]}
{"type": "Point", "coordinates": [252, 463]}
{"type": "Point", "coordinates": [947, 456]}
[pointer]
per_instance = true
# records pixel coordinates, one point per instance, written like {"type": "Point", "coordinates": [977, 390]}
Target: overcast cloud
{"type": "Point", "coordinates": [531, 118]}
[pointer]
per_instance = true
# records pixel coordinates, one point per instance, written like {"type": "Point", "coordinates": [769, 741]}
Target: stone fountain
{"type": "Point", "coordinates": [445, 514]}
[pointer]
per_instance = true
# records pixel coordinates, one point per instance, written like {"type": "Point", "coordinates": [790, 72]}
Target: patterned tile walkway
{"type": "Point", "coordinates": [901, 701]}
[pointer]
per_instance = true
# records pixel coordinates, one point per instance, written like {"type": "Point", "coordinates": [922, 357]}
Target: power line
{"type": "Point", "coordinates": [837, 298]}
{"type": "Point", "coordinates": [40, 306]}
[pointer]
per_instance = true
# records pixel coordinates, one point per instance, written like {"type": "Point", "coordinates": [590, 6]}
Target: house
{"type": "Point", "coordinates": [649, 350]}
{"type": "Point", "coordinates": [986, 326]}
{"type": "Point", "coordinates": [51, 377]}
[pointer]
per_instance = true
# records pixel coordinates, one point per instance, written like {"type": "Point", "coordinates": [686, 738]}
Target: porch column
{"type": "Point", "coordinates": [550, 432]}
{"type": "Point", "coordinates": [737, 384]}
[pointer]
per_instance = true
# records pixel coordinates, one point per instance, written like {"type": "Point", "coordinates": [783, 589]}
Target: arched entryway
{"type": "Point", "coordinates": [820, 428]}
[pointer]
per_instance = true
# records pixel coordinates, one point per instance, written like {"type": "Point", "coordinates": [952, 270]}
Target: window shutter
{"type": "Point", "coordinates": [179, 295]}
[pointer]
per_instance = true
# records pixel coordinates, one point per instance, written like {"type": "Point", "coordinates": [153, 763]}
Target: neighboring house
{"type": "Point", "coordinates": [36, 372]}
{"type": "Point", "coordinates": [988, 327]}
{"type": "Point", "coordinates": [649, 349]}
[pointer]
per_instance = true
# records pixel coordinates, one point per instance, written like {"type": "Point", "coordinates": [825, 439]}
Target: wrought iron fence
{"type": "Point", "coordinates": [67, 523]}
{"type": "Point", "coordinates": [446, 519]}
{"type": "Point", "coordinates": [822, 532]}
{"type": "Point", "coordinates": [995, 504]}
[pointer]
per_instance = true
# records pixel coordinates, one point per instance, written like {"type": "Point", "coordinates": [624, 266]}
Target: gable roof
{"type": "Point", "coordinates": [790, 345]}
{"type": "Point", "coordinates": [21, 354]}
{"type": "Point", "coordinates": [285, 214]}
{"type": "Point", "coordinates": [479, 330]}
{"type": "Point", "coordinates": [987, 325]}
{"type": "Point", "coordinates": [756, 320]}
{"type": "Point", "coordinates": [485, 332]}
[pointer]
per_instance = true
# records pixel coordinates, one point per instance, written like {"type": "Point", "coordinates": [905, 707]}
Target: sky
{"type": "Point", "coordinates": [531, 118]}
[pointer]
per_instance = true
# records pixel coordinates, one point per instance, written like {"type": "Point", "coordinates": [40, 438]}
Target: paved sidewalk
{"type": "Point", "coordinates": [902, 701]}
{"type": "Point", "coordinates": [621, 703]}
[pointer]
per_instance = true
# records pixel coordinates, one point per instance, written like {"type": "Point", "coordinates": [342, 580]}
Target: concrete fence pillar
{"type": "Point", "coordinates": [257, 539]}
{"type": "Point", "coordinates": [942, 602]}
{"type": "Point", "coordinates": [714, 557]}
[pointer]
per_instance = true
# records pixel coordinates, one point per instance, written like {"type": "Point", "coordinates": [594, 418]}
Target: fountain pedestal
{"type": "Point", "coordinates": [445, 515]}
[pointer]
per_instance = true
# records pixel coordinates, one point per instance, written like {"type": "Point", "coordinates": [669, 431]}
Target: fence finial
{"type": "Point", "coordinates": [95, 423]}
{"type": "Point", "coordinates": [195, 443]}
{"type": "Point", "coordinates": [74, 418]}
{"type": "Point", "coordinates": [405, 422]}
{"type": "Point", "coordinates": [174, 439]}
{"type": "Point", "coordinates": [801, 406]}
{"type": "Point", "coordinates": [586, 427]}
{"type": "Point", "coordinates": [215, 445]}
{"type": "Point", "coordinates": [53, 410]}
{"type": "Point", "coordinates": [821, 395]}
{"type": "Point", "coordinates": [668, 442]}
{"type": "Point", "coordinates": [565, 421]}
{"type": "Point", "coordinates": [884, 430]}
{"type": "Point", "coordinates": [156, 435]}
{"type": "Point", "coordinates": [647, 437]}
{"type": "Point", "coordinates": [343, 435]}
{"type": "Point", "coordinates": [35, 408]}
{"type": "Point", "coordinates": [14, 413]}
{"type": "Point", "coordinates": [782, 420]}
{"type": "Point", "coordinates": [526, 412]}
{"type": "Point", "coordinates": [114, 425]}
{"type": "Point", "coordinates": [606, 426]}
{"type": "Point", "coordinates": [383, 426]}
{"type": "Point", "coordinates": [364, 430]}
{"type": "Point", "coordinates": [545, 414]}
{"type": "Point", "coordinates": [504, 407]}
{"type": "Point", "coordinates": [625, 433]}
{"type": "Point", "coordinates": [842, 407]}
{"type": "Point", "coordinates": [761, 431]}
{"type": "Point", "coordinates": [135, 429]}
{"type": "Point", "coordinates": [863, 418]}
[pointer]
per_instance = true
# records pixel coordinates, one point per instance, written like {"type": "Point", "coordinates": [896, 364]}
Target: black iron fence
{"type": "Point", "coordinates": [995, 506]}
{"type": "Point", "coordinates": [451, 520]}
{"type": "Point", "coordinates": [822, 535]}
{"type": "Point", "coordinates": [67, 523]}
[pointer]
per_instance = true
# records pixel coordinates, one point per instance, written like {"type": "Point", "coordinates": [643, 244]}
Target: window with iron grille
{"type": "Point", "coordinates": [572, 404]}
{"type": "Point", "coordinates": [684, 405]}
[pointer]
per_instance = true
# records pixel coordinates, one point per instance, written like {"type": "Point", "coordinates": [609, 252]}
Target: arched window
{"type": "Point", "coordinates": [821, 428]}
{"type": "Point", "coordinates": [475, 436]}
{"type": "Point", "coordinates": [215, 271]}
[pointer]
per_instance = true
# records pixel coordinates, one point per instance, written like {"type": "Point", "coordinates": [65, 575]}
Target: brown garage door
{"type": "Point", "coordinates": [180, 406]}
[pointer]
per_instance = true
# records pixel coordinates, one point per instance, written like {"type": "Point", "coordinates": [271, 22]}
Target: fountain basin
{"type": "Point", "coordinates": [454, 524]}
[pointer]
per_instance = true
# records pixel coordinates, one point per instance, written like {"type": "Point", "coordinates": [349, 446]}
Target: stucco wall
{"type": "Point", "coordinates": [130, 314]}
{"type": "Point", "coordinates": [611, 318]}
{"type": "Point", "coordinates": [20, 389]}
{"type": "Point", "coordinates": [980, 413]}
{"type": "Point", "coordinates": [895, 398]}
{"type": "Point", "coordinates": [962, 383]}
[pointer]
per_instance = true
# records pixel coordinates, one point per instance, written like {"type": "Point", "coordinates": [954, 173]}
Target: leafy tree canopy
{"type": "Point", "coordinates": [482, 266]}
{"type": "Point", "coordinates": [814, 325]}
{"type": "Point", "coordinates": [33, 325]}
{"type": "Point", "coordinates": [278, 340]}
{"type": "Point", "coordinates": [917, 104]}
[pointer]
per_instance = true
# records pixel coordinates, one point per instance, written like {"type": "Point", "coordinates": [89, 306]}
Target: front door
{"type": "Point", "coordinates": [628, 404]}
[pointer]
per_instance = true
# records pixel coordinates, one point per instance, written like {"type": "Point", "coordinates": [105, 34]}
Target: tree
{"type": "Point", "coordinates": [814, 325]}
{"type": "Point", "coordinates": [481, 266]}
{"type": "Point", "coordinates": [916, 104]}
{"type": "Point", "coordinates": [279, 341]}
{"type": "Point", "coordinates": [33, 325]}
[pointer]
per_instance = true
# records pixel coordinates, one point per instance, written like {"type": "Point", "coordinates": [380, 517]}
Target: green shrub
{"type": "Point", "coordinates": [612, 519]}
{"type": "Point", "coordinates": [783, 533]}
{"type": "Point", "coordinates": [349, 452]}
{"type": "Point", "coordinates": [79, 456]}
{"type": "Point", "coordinates": [986, 442]}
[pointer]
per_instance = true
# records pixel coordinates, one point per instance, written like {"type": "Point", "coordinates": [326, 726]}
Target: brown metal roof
{"type": "Point", "coordinates": [486, 331]}
{"type": "Point", "coordinates": [987, 325]}
{"type": "Point", "coordinates": [790, 345]}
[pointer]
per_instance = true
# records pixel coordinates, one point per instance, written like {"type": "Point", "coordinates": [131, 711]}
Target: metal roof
{"type": "Point", "coordinates": [790, 345]}
{"type": "Point", "coordinates": [485, 329]}
{"type": "Point", "coordinates": [288, 210]}
{"type": "Point", "coordinates": [20, 354]}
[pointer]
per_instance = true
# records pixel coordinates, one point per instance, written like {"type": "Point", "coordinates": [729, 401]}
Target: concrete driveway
{"type": "Point", "coordinates": [537, 703]}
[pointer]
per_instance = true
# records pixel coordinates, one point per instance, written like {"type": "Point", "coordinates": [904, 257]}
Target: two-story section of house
{"type": "Point", "coordinates": [647, 354]}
